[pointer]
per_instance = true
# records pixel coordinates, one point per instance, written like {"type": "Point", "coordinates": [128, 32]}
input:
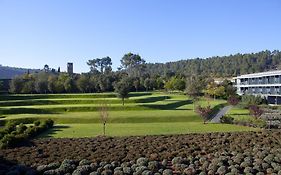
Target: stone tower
{"type": "Point", "coordinates": [70, 68]}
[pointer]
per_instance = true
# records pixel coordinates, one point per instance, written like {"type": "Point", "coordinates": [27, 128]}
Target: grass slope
{"type": "Point", "coordinates": [136, 129]}
{"type": "Point", "coordinates": [144, 113]}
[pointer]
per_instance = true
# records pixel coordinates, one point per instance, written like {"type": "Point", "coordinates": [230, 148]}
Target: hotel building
{"type": "Point", "coordinates": [264, 84]}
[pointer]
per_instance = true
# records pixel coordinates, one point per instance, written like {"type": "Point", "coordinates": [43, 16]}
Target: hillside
{"type": "Point", "coordinates": [7, 72]}
{"type": "Point", "coordinates": [224, 66]}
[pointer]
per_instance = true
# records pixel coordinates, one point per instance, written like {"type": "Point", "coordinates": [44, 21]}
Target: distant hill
{"type": "Point", "coordinates": [7, 72]}
{"type": "Point", "coordinates": [223, 66]}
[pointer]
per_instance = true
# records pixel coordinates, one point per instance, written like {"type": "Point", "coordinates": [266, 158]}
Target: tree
{"type": "Point", "coordinates": [103, 110]}
{"type": "Point", "coordinates": [224, 66]}
{"type": "Point", "coordinates": [136, 84]}
{"type": "Point", "coordinates": [175, 84]}
{"type": "Point", "coordinates": [133, 64]}
{"type": "Point", "coordinates": [28, 87]}
{"type": "Point", "coordinates": [159, 83]}
{"type": "Point", "coordinates": [69, 85]}
{"type": "Point", "coordinates": [255, 111]}
{"type": "Point", "coordinates": [230, 90]}
{"type": "Point", "coordinates": [105, 82]}
{"type": "Point", "coordinates": [179, 84]}
{"type": "Point", "coordinates": [41, 86]}
{"type": "Point", "coordinates": [194, 87]}
{"type": "Point", "coordinates": [149, 84]}
{"type": "Point", "coordinates": [83, 83]}
{"type": "Point", "coordinates": [204, 112]}
{"type": "Point", "coordinates": [94, 86]}
{"type": "Point", "coordinates": [16, 85]}
{"type": "Point", "coordinates": [59, 85]}
{"type": "Point", "coordinates": [215, 90]}
{"type": "Point", "coordinates": [100, 65]}
{"type": "Point", "coordinates": [52, 83]}
{"type": "Point", "coordinates": [122, 88]}
{"type": "Point", "coordinates": [46, 68]}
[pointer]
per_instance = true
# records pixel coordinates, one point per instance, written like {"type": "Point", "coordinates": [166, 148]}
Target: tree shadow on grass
{"type": "Point", "coordinates": [28, 103]}
{"type": "Point", "coordinates": [49, 133]}
{"type": "Point", "coordinates": [170, 106]}
{"type": "Point", "coordinates": [152, 99]}
{"type": "Point", "coordinates": [26, 111]}
{"type": "Point", "coordinates": [139, 94]}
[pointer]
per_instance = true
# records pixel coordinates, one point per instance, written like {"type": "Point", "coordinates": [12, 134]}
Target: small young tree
{"type": "Point", "coordinates": [194, 88]}
{"type": "Point", "coordinates": [122, 88]}
{"type": "Point", "coordinates": [255, 111]}
{"type": "Point", "coordinates": [194, 93]}
{"type": "Point", "coordinates": [233, 100]}
{"type": "Point", "coordinates": [204, 112]}
{"type": "Point", "coordinates": [104, 115]}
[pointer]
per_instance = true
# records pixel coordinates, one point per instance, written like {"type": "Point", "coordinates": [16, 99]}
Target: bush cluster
{"type": "Point", "coordinates": [257, 123]}
{"type": "Point", "coordinates": [227, 119]}
{"type": "Point", "coordinates": [13, 133]}
{"type": "Point", "coordinates": [208, 153]}
{"type": "Point", "coordinates": [248, 100]}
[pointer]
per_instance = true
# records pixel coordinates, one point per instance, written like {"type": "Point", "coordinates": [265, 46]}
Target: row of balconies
{"type": "Point", "coordinates": [272, 91]}
{"type": "Point", "coordinates": [263, 80]}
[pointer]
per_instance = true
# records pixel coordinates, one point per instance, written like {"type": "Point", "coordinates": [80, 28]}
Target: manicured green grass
{"type": "Point", "coordinates": [240, 113]}
{"type": "Point", "coordinates": [125, 116]}
{"type": "Point", "coordinates": [133, 129]}
{"type": "Point", "coordinates": [144, 113]}
{"type": "Point", "coordinates": [243, 115]}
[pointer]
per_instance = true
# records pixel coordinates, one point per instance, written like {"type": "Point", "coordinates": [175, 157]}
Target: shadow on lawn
{"type": "Point", "coordinates": [29, 103]}
{"type": "Point", "coordinates": [138, 94]}
{"type": "Point", "coordinates": [52, 131]}
{"type": "Point", "coordinates": [170, 106]}
{"type": "Point", "coordinates": [152, 99]}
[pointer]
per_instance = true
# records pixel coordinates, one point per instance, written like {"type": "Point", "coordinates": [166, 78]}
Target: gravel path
{"type": "Point", "coordinates": [221, 113]}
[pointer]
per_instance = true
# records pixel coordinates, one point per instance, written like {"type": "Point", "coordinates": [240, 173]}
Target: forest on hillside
{"type": "Point", "coordinates": [219, 66]}
{"type": "Point", "coordinates": [224, 66]}
{"type": "Point", "coordinates": [7, 72]}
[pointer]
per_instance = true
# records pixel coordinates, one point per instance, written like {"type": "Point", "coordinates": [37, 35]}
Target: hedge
{"type": "Point", "coordinates": [14, 134]}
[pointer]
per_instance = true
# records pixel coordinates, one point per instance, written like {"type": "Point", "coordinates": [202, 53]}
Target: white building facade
{"type": "Point", "coordinates": [264, 84]}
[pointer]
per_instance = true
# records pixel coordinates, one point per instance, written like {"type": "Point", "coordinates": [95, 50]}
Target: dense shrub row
{"type": "Point", "coordinates": [13, 133]}
{"type": "Point", "coordinates": [248, 100]}
{"type": "Point", "coordinates": [208, 153]}
{"type": "Point", "coordinates": [257, 123]}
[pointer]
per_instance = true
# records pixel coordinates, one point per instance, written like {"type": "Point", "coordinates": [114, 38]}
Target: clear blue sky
{"type": "Point", "coordinates": [34, 33]}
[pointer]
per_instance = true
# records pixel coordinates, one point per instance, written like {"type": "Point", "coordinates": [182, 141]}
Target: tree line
{"type": "Point", "coordinates": [224, 66]}
{"type": "Point", "coordinates": [195, 76]}
{"type": "Point", "coordinates": [100, 78]}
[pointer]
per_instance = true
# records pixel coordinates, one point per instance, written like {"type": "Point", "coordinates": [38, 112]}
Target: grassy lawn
{"type": "Point", "coordinates": [243, 115]}
{"type": "Point", "coordinates": [129, 129]}
{"type": "Point", "coordinates": [149, 113]}
{"type": "Point", "coordinates": [240, 114]}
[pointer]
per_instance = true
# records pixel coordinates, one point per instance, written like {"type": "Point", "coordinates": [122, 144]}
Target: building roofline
{"type": "Point", "coordinates": [260, 74]}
